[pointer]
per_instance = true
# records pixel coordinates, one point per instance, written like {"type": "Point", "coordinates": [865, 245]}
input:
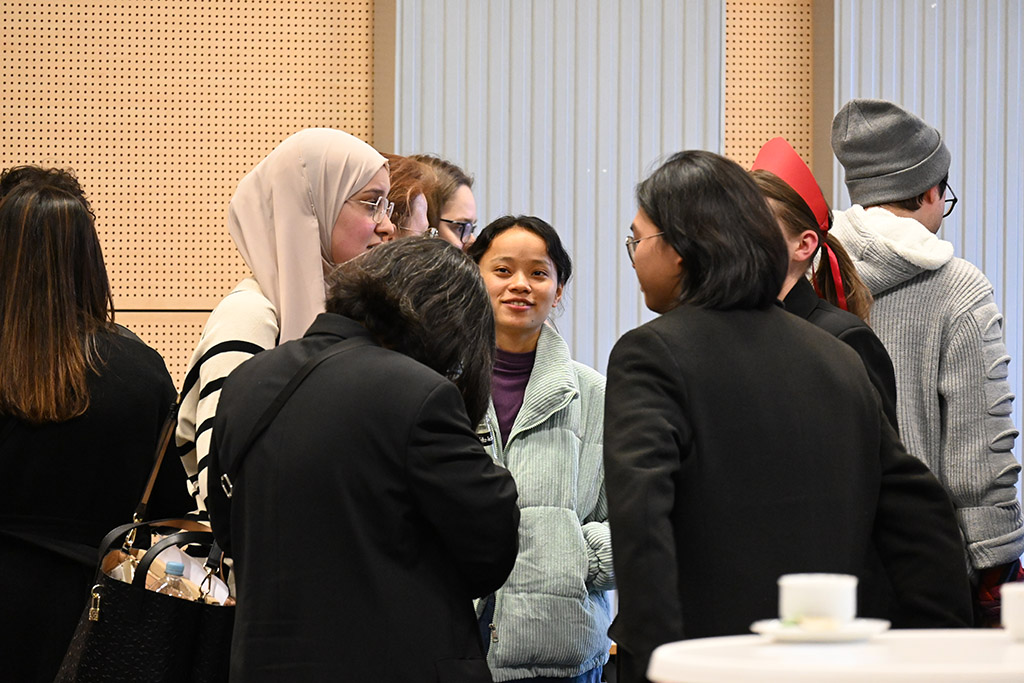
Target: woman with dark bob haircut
{"type": "Point", "coordinates": [82, 402]}
{"type": "Point", "coordinates": [743, 443]}
{"type": "Point", "coordinates": [545, 422]}
{"type": "Point", "coordinates": [366, 515]}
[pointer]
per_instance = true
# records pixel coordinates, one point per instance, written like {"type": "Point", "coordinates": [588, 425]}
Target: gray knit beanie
{"type": "Point", "coordinates": [888, 153]}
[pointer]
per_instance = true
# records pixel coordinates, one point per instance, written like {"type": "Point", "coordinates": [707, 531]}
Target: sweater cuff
{"type": "Point", "coordinates": [985, 549]}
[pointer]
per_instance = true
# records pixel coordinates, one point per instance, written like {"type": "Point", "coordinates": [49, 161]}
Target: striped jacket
{"type": "Point", "coordinates": [243, 324]}
{"type": "Point", "coordinates": [551, 617]}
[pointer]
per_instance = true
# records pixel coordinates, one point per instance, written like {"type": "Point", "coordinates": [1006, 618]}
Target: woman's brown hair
{"type": "Point", "coordinates": [795, 217]}
{"type": "Point", "coordinates": [443, 180]}
{"type": "Point", "coordinates": [54, 300]}
{"type": "Point", "coordinates": [408, 180]}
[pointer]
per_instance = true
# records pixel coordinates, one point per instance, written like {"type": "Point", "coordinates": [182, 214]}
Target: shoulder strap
{"type": "Point", "coordinates": [166, 433]}
{"type": "Point", "coordinates": [231, 472]}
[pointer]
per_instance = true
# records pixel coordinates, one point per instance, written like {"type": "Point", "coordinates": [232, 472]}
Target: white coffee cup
{"type": "Point", "coordinates": [1013, 609]}
{"type": "Point", "coordinates": [825, 600]}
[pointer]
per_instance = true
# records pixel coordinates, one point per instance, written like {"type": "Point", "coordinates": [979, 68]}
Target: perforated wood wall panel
{"type": "Point", "coordinates": [174, 335]}
{"type": "Point", "coordinates": [768, 76]}
{"type": "Point", "coordinates": [161, 107]}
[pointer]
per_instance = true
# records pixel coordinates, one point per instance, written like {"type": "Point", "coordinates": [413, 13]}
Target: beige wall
{"type": "Point", "coordinates": [771, 60]}
{"type": "Point", "coordinates": [160, 108]}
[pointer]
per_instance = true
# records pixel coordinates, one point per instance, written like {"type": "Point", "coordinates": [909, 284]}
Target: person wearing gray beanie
{"type": "Point", "coordinates": [888, 153]}
{"type": "Point", "coordinates": [937, 317]}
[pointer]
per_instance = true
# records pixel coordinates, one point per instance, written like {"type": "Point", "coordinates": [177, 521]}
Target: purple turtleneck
{"type": "Point", "coordinates": [508, 386]}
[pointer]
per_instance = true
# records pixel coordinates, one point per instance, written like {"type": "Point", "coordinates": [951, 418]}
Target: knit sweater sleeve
{"type": "Point", "coordinates": [979, 469]}
{"type": "Point", "coordinates": [243, 324]}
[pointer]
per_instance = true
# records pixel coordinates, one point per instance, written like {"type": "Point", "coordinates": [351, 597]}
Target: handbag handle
{"type": "Point", "coordinates": [139, 581]}
{"type": "Point", "coordinates": [114, 535]}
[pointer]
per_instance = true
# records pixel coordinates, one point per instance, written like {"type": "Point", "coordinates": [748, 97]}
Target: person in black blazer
{"type": "Point", "coordinates": [367, 516]}
{"type": "Point", "coordinates": [742, 443]}
{"type": "Point", "coordinates": [838, 302]}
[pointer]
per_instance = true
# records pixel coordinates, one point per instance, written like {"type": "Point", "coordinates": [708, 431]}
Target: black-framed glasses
{"type": "Point", "coordinates": [461, 228]}
{"type": "Point", "coordinates": [631, 244]}
{"type": "Point", "coordinates": [429, 232]}
{"type": "Point", "coordinates": [382, 208]}
{"type": "Point", "coordinates": [950, 201]}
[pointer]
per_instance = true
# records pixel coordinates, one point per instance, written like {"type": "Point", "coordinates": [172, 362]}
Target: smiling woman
{"type": "Point", "coordinates": [545, 424]}
{"type": "Point", "coordinates": [318, 199]}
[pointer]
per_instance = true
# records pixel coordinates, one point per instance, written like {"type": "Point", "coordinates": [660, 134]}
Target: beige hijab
{"type": "Point", "coordinates": [284, 210]}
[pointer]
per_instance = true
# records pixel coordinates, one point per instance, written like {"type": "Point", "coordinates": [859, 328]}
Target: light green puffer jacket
{"type": "Point", "coordinates": [551, 617]}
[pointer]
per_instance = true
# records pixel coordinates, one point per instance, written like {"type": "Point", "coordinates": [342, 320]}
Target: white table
{"type": "Point", "coordinates": [924, 656]}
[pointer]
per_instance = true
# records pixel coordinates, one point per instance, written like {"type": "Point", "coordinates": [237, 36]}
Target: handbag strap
{"type": "Point", "coordinates": [162, 444]}
{"type": "Point", "coordinates": [230, 474]}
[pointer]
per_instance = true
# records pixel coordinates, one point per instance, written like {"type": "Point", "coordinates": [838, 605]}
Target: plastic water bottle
{"type": "Point", "coordinates": [172, 584]}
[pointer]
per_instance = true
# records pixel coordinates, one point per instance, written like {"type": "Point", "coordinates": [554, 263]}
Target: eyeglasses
{"type": "Point", "coordinates": [461, 228]}
{"type": "Point", "coordinates": [429, 232]}
{"type": "Point", "coordinates": [631, 244]}
{"type": "Point", "coordinates": [381, 208]}
{"type": "Point", "coordinates": [950, 201]}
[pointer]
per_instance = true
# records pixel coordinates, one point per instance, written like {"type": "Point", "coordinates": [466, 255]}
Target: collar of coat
{"type": "Point", "coordinates": [552, 384]}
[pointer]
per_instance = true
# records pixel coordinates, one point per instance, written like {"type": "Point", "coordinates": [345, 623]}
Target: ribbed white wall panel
{"type": "Point", "coordinates": [959, 65]}
{"type": "Point", "coordinates": [559, 107]}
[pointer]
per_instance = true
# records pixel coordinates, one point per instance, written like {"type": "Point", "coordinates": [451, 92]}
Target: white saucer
{"type": "Point", "coordinates": [858, 629]}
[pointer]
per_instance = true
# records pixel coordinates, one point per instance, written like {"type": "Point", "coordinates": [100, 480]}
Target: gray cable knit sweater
{"type": "Point", "coordinates": [552, 615]}
{"type": "Point", "coordinates": [937, 318]}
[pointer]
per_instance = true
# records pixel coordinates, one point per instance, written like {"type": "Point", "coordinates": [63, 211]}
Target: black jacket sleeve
{"type": "Point", "coordinates": [470, 501]}
{"type": "Point", "coordinates": [878, 364]}
{"type": "Point", "coordinates": [919, 542]}
{"type": "Point", "coordinates": [645, 440]}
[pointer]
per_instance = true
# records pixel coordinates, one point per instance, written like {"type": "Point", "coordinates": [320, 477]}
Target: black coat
{"type": "Point", "coordinates": [803, 301]}
{"type": "Point", "coordinates": [743, 445]}
{"type": "Point", "coordinates": [64, 486]}
{"type": "Point", "coordinates": [364, 520]}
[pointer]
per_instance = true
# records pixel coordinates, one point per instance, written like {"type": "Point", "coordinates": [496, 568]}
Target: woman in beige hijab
{"type": "Point", "coordinates": [317, 200]}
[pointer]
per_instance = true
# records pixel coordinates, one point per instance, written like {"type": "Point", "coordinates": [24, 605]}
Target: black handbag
{"type": "Point", "coordinates": [130, 633]}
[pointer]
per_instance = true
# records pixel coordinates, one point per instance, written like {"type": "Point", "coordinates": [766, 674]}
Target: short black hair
{"type": "Point", "coordinates": [426, 299]}
{"type": "Point", "coordinates": [717, 220]}
{"type": "Point", "coordinates": [559, 256]}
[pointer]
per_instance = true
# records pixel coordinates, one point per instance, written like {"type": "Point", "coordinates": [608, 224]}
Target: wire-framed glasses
{"type": "Point", "coordinates": [382, 208]}
{"type": "Point", "coordinates": [632, 241]}
{"type": "Point", "coordinates": [429, 232]}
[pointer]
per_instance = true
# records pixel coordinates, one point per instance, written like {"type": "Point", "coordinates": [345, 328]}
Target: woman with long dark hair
{"type": "Point", "coordinates": [544, 422]}
{"type": "Point", "coordinates": [82, 401]}
{"type": "Point", "coordinates": [743, 443]}
{"type": "Point", "coordinates": [834, 298]}
{"type": "Point", "coordinates": [366, 517]}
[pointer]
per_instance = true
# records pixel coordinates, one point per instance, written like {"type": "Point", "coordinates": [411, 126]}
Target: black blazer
{"type": "Point", "coordinates": [803, 301]}
{"type": "Point", "coordinates": [743, 445]}
{"type": "Point", "coordinates": [363, 521]}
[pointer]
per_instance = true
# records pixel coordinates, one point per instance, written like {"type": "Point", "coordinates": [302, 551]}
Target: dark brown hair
{"type": "Point", "coordinates": [795, 216]}
{"type": "Point", "coordinates": [445, 178]}
{"type": "Point", "coordinates": [717, 220]}
{"type": "Point", "coordinates": [426, 299]}
{"type": "Point", "coordinates": [914, 203]}
{"type": "Point", "coordinates": [54, 300]}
